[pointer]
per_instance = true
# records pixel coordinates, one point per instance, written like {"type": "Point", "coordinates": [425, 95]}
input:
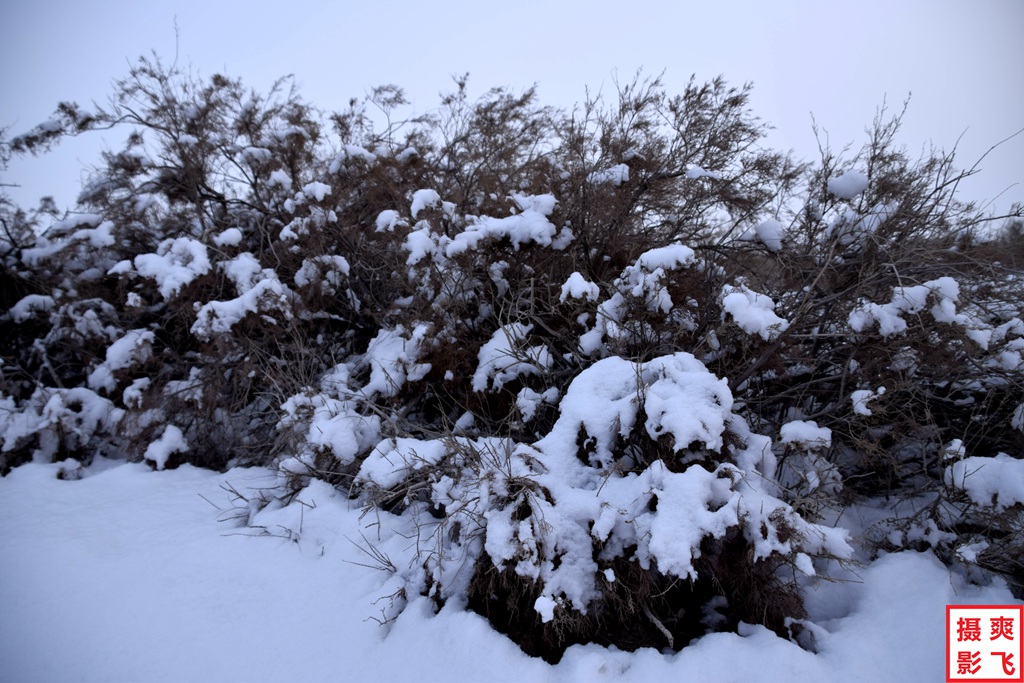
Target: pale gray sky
{"type": "Point", "coordinates": [838, 60]}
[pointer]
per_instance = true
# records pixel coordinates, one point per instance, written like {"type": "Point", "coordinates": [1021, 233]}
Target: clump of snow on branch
{"type": "Point", "coordinates": [27, 307]}
{"type": "Point", "coordinates": [805, 470]}
{"type": "Point", "coordinates": [769, 233]}
{"type": "Point", "coordinates": [942, 293]}
{"type": "Point", "coordinates": [133, 348]}
{"type": "Point", "coordinates": [848, 185]}
{"type": "Point", "coordinates": [69, 419]}
{"type": "Point", "coordinates": [392, 356]}
{"type": "Point", "coordinates": [531, 224]}
{"type": "Point", "coordinates": [862, 397]}
{"type": "Point", "coordinates": [646, 278]}
{"type": "Point", "coordinates": [423, 199]}
{"type": "Point", "coordinates": [176, 263]}
{"type": "Point", "coordinates": [265, 297]}
{"type": "Point", "coordinates": [616, 175]}
{"type": "Point", "coordinates": [502, 358]}
{"type": "Point", "coordinates": [328, 421]}
{"type": "Point", "coordinates": [228, 238]}
{"type": "Point", "coordinates": [578, 287]}
{"type": "Point", "coordinates": [752, 312]}
{"type": "Point", "coordinates": [996, 482]}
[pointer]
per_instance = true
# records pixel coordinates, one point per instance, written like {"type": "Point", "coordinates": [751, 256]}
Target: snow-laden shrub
{"type": "Point", "coordinates": [648, 513]}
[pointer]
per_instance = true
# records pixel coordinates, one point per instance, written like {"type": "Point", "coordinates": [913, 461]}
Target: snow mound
{"type": "Point", "coordinates": [170, 442]}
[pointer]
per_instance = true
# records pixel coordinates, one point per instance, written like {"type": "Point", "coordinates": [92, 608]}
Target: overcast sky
{"type": "Point", "coordinates": [838, 60]}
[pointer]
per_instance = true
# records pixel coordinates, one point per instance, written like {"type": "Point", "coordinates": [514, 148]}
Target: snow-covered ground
{"type": "Point", "coordinates": [127, 574]}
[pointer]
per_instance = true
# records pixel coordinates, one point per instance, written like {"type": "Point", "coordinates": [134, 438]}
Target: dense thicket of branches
{"type": "Point", "coordinates": [249, 281]}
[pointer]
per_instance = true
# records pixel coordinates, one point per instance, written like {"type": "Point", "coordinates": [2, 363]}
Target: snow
{"type": "Point", "coordinates": [350, 153]}
{"type": "Point", "coordinates": [392, 356]}
{"type": "Point", "coordinates": [256, 156]}
{"type": "Point", "coordinates": [326, 271]}
{"type": "Point", "coordinates": [280, 178]}
{"type": "Point", "coordinates": [530, 225]}
{"type": "Point", "coordinates": [752, 312]}
{"type": "Point", "coordinates": [133, 393]}
{"type": "Point", "coordinates": [848, 185]}
{"type": "Point", "coordinates": [126, 574]}
{"type": "Point", "coordinates": [423, 199]}
{"type": "Point", "coordinates": [806, 434]}
{"type": "Point", "coordinates": [578, 287]}
{"type": "Point", "coordinates": [646, 277]}
{"type": "Point", "coordinates": [1017, 419]}
{"type": "Point", "coordinates": [217, 317]}
{"type": "Point", "coordinates": [229, 238]}
{"type": "Point", "coordinates": [616, 175]}
{"type": "Point", "coordinates": [805, 470]}
{"type": "Point", "coordinates": [422, 243]}
{"type": "Point", "coordinates": [528, 400]}
{"type": "Point", "coordinates": [691, 504]}
{"type": "Point", "coordinates": [944, 292]}
{"type": "Point", "coordinates": [990, 482]}
{"type": "Point", "coordinates": [170, 442]}
{"type": "Point", "coordinates": [671, 257]}
{"type": "Point", "coordinates": [387, 220]}
{"type": "Point", "coordinates": [501, 360]}
{"type": "Point", "coordinates": [26, 308]}
{"type": "Point", "coordinates": [769, 233]}
{"type": "Point", "coordinates": [682, 399]}
{"type": "Point", "coordinates": [695, 172]}
{"type": "Point", "coordinates": [245, 271]}
{"type": "Point", "coordinates": [861, 397]}
{"type": "Point", "coordinates": [316, 190]}
{"type": "Point", "coordinates": [954, 450]}
{"type": "Point", "coordinates": [134, 347]}
{"type": "Point", "coordinates": [328, 421]}
{"type": "Point", "coordinates": [176, 263]}
{"type": "Point", "coordinates": [60, 418]}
